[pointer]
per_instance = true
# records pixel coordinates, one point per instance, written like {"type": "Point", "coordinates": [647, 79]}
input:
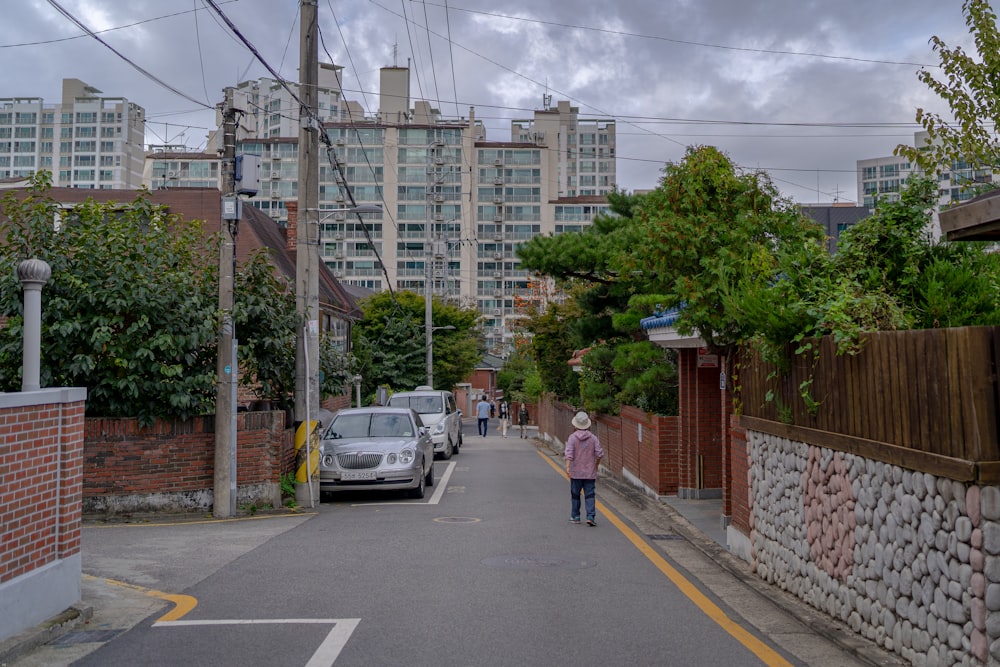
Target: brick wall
{"type": "Point", "coordinates": [703, 421]}
{"type": "Point", "coordinates": [41, 457]}
{"type": "Point", "coordinates": [170, 465]}
{"type": "Point", "coordinates": [737, 504]}
{"type": "Point", "coordinates": [651, 461]}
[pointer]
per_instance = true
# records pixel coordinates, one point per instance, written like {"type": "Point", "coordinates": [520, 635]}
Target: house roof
{"type": "Point", "coordinates": [660, 319]}
{"type": "Point", "coordinates": [256, 231]}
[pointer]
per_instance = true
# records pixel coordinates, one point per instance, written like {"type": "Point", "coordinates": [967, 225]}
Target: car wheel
{"type": "Point", "coordinates": [418, 492]}
{"type": "Point", "coordinates": [429, 479]}
{"type": "Point", "coordinates": [448, 450]}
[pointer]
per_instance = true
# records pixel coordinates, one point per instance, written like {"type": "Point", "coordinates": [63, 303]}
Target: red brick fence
{"type": "Point", "coordinates": [641, 448]}
{"type": "Point", "coordinates": [169, 466]}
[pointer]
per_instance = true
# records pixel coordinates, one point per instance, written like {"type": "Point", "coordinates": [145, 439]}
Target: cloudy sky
{"type": "Point", "coordinates": [801, 88]}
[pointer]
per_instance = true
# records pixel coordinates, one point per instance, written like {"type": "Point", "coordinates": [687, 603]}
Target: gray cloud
{"type": "Point", "coordinates": [641, 62]}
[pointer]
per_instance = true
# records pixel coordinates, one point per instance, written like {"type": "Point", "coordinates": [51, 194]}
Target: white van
{"type": "Point", "coordinates": [438, 412]}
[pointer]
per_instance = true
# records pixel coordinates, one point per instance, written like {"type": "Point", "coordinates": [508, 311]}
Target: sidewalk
{"type": "Point", "coordinates": [153, 554]}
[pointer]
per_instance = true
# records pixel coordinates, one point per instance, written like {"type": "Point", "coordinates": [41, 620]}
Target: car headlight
{"type": "Point", "coordinates": [406, 456]}
{"type": "Point", "coordinates": [328, 461]}
{"type": "Point", "coordinates": [438, 428]}
{"type": "Point", "coordinates": [391, 458]}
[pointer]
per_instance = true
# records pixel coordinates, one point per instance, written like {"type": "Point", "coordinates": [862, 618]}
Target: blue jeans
{"type": "Point", "coordinates": [484, 425]}
{"type": "Point", "coordinates": [588, 487]}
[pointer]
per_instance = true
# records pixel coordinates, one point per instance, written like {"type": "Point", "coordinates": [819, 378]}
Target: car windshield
{"type": "Point", "coordinates": [369, 425]}
{"type": "Point", "coordinates": [424, 405]}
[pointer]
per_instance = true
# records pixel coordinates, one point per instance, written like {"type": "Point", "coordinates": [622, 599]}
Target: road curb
{"type": "Point", "coordinates": [28, 640]}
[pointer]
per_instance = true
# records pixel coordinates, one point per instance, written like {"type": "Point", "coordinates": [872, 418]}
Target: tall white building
{"type": "Point", "coordinates": [455, 206]}
{"type": "Point", "coordinates": [86, 140]}
{"type": "Point", "coordinates": [884, 177]}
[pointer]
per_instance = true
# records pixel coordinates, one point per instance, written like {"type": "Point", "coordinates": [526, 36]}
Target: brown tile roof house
{"type": "Point", "coordinates": [256, 231]}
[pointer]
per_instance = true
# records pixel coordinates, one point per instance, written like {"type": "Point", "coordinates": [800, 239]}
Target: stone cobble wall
{"type": "Point", "coordinates": [907, 559]}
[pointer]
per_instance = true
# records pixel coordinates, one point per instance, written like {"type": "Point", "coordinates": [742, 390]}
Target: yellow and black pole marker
{"type": "Point", "coordinates": [306, 460]}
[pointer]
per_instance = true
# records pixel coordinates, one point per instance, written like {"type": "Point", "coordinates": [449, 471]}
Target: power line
{"type": "Point", "coordinates": [100, 32]}
{"type": "Point", "coordinates": [142, 71]}
{"type": "Point", "coordinates": [688, 42]}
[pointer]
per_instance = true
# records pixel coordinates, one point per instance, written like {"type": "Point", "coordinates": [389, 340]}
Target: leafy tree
{"type": "Point", "coordinates": [552, 346]}
{"type": "Point", "coordinates": [584, 264]}
{"type": "Point", "coordinates": [266, 324]}
{"type": "Point", "coordinates": [389, 342]}
{"type": "Point", "coordinates": [591, 266]}
{"type": "Point", "coordinates": [519, 379]}
{"type": "Point", "coordinates": [924, 283]}
{"type": "Point", "coordinates": [712, 232]}
{"type": "Point", "coordinates": [970, 84]}
{"type": "Point", "coordinates": [129, 312]}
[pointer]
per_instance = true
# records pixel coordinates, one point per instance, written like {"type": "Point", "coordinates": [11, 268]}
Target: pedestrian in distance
{"type": "Point", "coordinates": [483, 415]}
{"type": "Point", "coordinates": [522, 419]}
{"type": "Point", "coordinates": [493, 409]}
{"type": "Point", "coordinates": [504, 412]}
{"type": "Point", "coordinates": [583, 455]}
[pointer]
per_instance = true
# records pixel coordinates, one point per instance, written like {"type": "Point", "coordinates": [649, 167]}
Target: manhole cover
{"type": "Point", "coordinates": [457, 519]}
{"type": "Point", "coordinates": [665, 536]}
{"type": "Point", "coordinates": [534, 562]}
{"type": "Point", "coordinates": [86, 637]}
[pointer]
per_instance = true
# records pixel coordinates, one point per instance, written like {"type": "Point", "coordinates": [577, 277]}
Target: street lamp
{"type": "Point", "coordinates": [429, 343]}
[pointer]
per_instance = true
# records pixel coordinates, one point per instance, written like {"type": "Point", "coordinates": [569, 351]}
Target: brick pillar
{"type": "Point", "coordinates": [702, 424]}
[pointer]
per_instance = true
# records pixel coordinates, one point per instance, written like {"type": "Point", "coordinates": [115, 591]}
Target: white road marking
{"type": "Point", "coordinates": [328, 651]}
{"type": "Point", "coordinates": [324, 656]}
{"type": "Point", "coordinates": [250, 621]}
{"type": "Point", "coordinates": [439, 490]}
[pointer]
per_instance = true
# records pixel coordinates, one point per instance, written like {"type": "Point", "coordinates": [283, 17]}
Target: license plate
{"type": "Point", "coordinates": [356, 475]}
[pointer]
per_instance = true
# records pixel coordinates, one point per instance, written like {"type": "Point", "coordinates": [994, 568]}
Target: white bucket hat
{"type": "Point", "coordinates": [581, 421]}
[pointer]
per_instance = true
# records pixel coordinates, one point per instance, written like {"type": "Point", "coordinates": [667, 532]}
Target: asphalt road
{"type": "Point", "coordinates": [485, 570]}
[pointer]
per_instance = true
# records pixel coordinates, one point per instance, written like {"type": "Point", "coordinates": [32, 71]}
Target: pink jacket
{"type": "Point", "coordinates": [583, 450]}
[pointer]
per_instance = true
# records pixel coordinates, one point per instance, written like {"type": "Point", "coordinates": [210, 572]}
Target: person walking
{"type": "Point", "coordinates": [483, 415]}
{"type": "Point", "coordinates": [504, 412]}
{"type": "Point", "coordinates": [522, 419]}
{"type": "Point", "coordinates": [583, 455]}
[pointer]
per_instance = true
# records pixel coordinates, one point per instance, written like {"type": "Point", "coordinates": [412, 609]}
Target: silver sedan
{"type": "Point", "coordinates": [376, 448]}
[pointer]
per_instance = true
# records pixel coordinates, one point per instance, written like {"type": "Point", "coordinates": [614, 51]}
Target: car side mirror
{"type": "Point", "coordinates": [422, 431]}
{"type": "Point", "coordinates": [459, 412]}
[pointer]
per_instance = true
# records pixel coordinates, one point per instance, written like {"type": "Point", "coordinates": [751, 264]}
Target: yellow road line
{"type": "Point", "coordinates": [182, 603]}
{"type": "Point", "coordinates": [768, 655]}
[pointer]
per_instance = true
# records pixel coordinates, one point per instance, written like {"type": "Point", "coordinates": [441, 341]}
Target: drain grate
{"type": "Point", "coordinates": [535, 562]}
{"type": "Point", "coordinates": [86, 637]}
{"type": "Point", "coordinates": [664, 536]}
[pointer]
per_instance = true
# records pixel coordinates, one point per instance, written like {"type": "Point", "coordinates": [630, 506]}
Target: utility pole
{"type": "Point", "coordinates": [431, 189]}
{"type": "Point", "coordinates": [306, 252]}
{"type": "Point", "coordinates": [224, 500]}
{"type": "Point", "coordinates": [307, 246]}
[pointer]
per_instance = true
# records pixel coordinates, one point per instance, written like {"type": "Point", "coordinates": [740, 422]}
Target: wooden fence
{"type": "Point", "coordinates": [925, 399]}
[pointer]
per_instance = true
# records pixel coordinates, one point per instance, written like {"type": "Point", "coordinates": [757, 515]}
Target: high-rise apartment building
{"type": "Point", "coordinates": [86, 141]}
{"type": "Point", "coordinates": [884, 177]}
{"type": "Point", "coordinates": [455, 206]}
